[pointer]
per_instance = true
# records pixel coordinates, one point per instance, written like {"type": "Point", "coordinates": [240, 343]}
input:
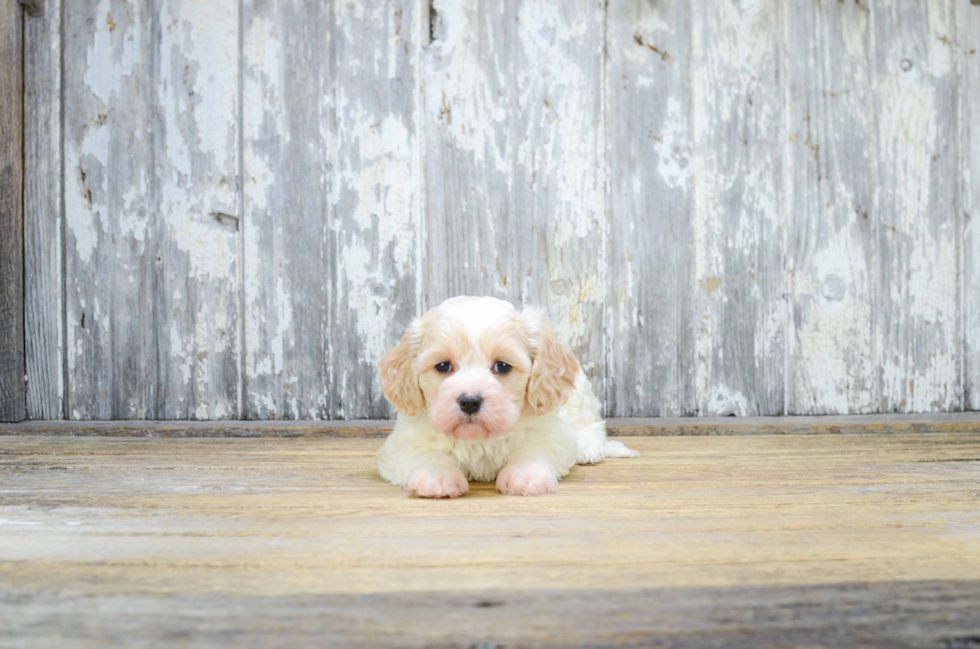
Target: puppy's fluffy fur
{"type": "Point", "coordinates": [535, 415]}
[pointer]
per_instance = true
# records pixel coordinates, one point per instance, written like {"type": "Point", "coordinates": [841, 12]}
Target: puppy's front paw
{"type": "Point", "coordinates": [527, 479]}
{"type": "Point", "coordinates": [432, 482]}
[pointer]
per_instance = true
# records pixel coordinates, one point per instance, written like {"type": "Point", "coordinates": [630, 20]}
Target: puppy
{"type": "Point", "coordinates": [486, 393]}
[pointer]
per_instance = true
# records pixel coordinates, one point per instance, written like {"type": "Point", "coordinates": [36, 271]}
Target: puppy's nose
{"type": "Point", "coordinates": [470, 403]}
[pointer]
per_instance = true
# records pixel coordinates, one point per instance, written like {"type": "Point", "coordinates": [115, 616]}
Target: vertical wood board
{"type": "Point", "coordinates": [740, 215]}
{"type": "Point", "coordinates": [43, 222]}
{"type": "Point", "coordinates": [376, 228]}
{"type": "Point", "coordinates": [650, 304]}
{"type": "Point", "coordinates": [332, 202]}
{"type": "Point", "coordinates": [196, 226]}
{"type": "Point", "coordinates": [109, 271]}
{"type": "Point", "coordinates": [13, 398]}
{"type": "Point", "coordinates": [831, 260]}
{"type": "Point", "coordinates": [288, 116]}
{"type": "Point", "coordinates": [918, 221]}
{"type": "Point", "coordinates": [150, 206]}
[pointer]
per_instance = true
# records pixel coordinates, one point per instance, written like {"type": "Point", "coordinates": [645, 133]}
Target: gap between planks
{"type": "Point", "coordinates": [959, 422]}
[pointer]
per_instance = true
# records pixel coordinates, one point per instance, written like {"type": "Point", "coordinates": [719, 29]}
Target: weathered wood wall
{"type": "Point", "coordinates": [745, 207]}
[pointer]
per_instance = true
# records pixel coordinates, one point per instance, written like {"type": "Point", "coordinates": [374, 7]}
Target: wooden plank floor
{"type": "Point", "coordinates": [816, 540]}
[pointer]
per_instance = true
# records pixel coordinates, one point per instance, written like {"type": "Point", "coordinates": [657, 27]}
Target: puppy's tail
{"type": "Point", "coordinates": [615, 448]}
{"type": "Point", "coordinates": [583, 414]}
{"type": "Point", "coordinates": [593, 447]}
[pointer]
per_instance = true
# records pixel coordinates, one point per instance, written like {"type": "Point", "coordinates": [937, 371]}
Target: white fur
{"type": "Point", "coordinates": [528, 459]}
{"type": "Point", "coordinates": [582, 410]}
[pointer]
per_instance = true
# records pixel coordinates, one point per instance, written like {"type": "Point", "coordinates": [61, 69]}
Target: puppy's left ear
{"type": "Point", "coordinates": [553, 367]}
{"type": "Point", "coordinates": [398, 379]}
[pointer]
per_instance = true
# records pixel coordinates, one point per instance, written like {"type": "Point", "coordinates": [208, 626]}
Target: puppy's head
{"type": "Point", "coordinates": [475, 364]}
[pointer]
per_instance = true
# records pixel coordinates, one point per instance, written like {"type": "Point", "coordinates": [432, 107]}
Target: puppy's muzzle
{"type": "Point", "coordinates": [470, 403]}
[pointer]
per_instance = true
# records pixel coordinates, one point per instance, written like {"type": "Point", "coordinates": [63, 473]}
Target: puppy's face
{"type": "Point", "coordinates": [475, 364]}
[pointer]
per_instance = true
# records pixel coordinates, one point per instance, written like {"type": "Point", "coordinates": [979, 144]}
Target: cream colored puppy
{"type": "Point", "coordinates": [486, 393]}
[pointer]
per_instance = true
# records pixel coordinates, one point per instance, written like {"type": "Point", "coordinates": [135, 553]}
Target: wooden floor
{"type": "Point", "coordinates": [755, 541]}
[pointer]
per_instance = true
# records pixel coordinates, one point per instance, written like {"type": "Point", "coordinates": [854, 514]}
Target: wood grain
{"type": "Point", "coordinates": [111, 266]}
{"type": "Point", "coordinates": [740, 219]}
{"type": "Point", "coordinates": [831, 228]}
{"type": "Point", "coordinates": [196, 216]}
{"type": "Point", "coordinates": [287, 109]}
{"type": "Point", "coordinates": [650, 323]}
{"type": "Point", "coordinates": [513, 160]}
{"type": "Point", "coordinates": [333, 214]}
{"type": "Point", "coordinates": [13, 400]}
{"type": "Point", "coordinates": [150, 201]}
{"type": "Point", "coordinates": [918, 300]}
{"type": "Point", "coordinates": [376, 231]}
{"type": "Point", "coordinates": [43, 222]}
{"type": "Point", "coordinates": [897, 614]}
{"type": "Point", "coordinates": [831, 538]}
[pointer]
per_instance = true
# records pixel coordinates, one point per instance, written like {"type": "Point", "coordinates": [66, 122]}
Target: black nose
{"type": "Point", "coordinates": [470, 403]}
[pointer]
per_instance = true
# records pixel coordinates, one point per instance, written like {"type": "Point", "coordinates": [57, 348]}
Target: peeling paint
{"type": "Point", "coordinates": [672, 147]}
{"type": "Point", "coordinates": [740, 328]}
{"type": "Point", "coordinates": [112, 57]}
{"type": "Point", "coordinates": [919, 281]}
{"type": "Point", "coordinates": [745, 208]}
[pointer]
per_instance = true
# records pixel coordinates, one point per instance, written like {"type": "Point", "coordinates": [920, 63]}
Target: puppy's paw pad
{"type": "Point", "coordinates": [430, 482]}
{"type": "Point", "coordinates": [527, 479]}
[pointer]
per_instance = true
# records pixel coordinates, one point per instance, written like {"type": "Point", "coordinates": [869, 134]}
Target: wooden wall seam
{"type": "Point", "coordinates": [241, 409]}
{"type": "Point", "coordinates": [968, 43]}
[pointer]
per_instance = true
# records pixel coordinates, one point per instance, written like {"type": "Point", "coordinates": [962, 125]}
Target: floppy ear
{"type": "Point", "coordinates": [398, 379]}
{"type": "Point", "coordinates": [553, 367]}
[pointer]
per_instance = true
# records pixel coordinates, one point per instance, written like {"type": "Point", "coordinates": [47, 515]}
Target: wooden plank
{"type": "Point", "coordinates": [13, 399]}
{"type": "Point", "coordinates": [649, 358]}
{"type": "Point", "coordinates": [333, 216]}
{"type": "Point", "coordinates": [831, 540]}
{"type": "Point", "coordinates": [110, 250]}
{"type": "Point", "coordinates": [896, 614]}
{"type": "Point", "coordinates": [955, 422]}
{"type": "Point", "coordinates": [196, 229]}
{"type": "Point", "coordinates": [740, 216]}
{"type": "Point", "coordinates": [831, 228]}
{"type": "Point", "coordinates": [288, 117]}
{"type": "Point", "coordinates": [150, 202]}
{"type": "Point", "coordinates": [43, 222]}
{"type": "Point", "coordinates": [918, 299]}
{"type": "Point", "coordinates": [375, 245]}
{"type": "Point", "coordinates": [968, 115]}
{"type": "Point", "coordinates": [514, 171]}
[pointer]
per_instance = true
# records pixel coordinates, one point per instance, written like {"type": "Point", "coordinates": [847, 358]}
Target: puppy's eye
{"type": "Point", "coordinates": [444, 367]}
{"type": "Point", "coordinates": [501, 367]}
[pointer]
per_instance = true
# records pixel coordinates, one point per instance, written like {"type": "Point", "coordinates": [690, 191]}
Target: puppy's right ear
{"type": "Point", "coordinates": [398, 378]}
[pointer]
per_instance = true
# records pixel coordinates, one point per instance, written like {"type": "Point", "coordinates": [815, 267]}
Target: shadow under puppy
{"type": "Point", "coordinates": [486, 393]}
